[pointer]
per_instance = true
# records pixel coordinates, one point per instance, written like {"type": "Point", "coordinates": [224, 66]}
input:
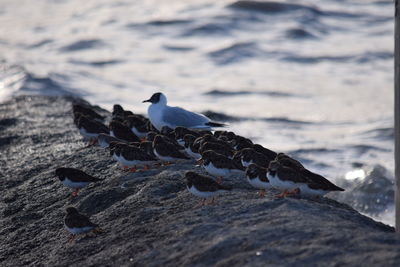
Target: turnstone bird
{"type": "Point", "coordinates": [203, 186]}
{"type": "Point", "coordinates": [229, 135]}
{"type": "Point", "coordinates": [115, 149]}
{"type": "Point", "coordinates": [122, 131]}
{"type": "Point", "coordinates": [160, 114]}
{"type": "Point", "coordinates": [188, 145]}
{"type": "Point", "coordinates": [87, 111]}
{"type": "Point", "coordinates": [75, 178]}
{"type": "Point", "coordinates": [219, 148]}
{"type": "Point", "coordinates": [104, 140]}
{"type": "Point", "coordinates": [249, 155]}
{"type": "Point", "coordinates": [148, 147]}
{"type": "Point", "coordinates": [317, 185]}
{"type": "Point", "coordinates": [219, 165]}
{"type": "Point", "coordinates": [151, 135]}
{"type": "Point", "coordinates": [285, 179]}
{"type": "Point", "coordinates": [257, 177]}
{"type": "Point", "coordinates": [168, 132]}
{"type": "Point", "coordinates": [131, 156]}
{"type": "Point", "coordinates": [287, 161]}
{"type": "Point", "coordinates": [138, 125]}
{"type": "Point", "coordinates": [180, 132]}
{"type": "Point", "coordinates": [265, 151]}
{"type": "Point", "coordinates": [77, 223]}
{"type": "Point", "coordinates": [90, 129]}
{"type": "Point", "coordinates": [119, 112]}
{"type": "Point", "coordinates": [240, 142]}
{"type": "Point", "coordinates": [206, 138]}
{"type": "Point", "coordinates": [167, 151]}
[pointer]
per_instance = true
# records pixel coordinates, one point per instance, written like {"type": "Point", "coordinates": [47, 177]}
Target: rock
{"type": "Point", "coordinates": [371, 193]}
{"type": "Point", "coordinates": [149, 217]}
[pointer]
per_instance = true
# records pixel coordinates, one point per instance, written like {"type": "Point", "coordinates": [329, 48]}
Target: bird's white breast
{"type": "Point", "coordinates": [71, 184]}
{"type": "Point", "coordinates": [155, 115]}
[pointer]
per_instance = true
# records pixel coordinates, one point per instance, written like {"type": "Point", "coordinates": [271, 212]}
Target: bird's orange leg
{"type": "Point", "coordinates": [75, 192]}
{"type": "Point", "coordinates": [133, 169]}
{"type": "Point", "coordinates": [262, 192]}
{"type": "Point", "coordinates": [213, 201]}
{"type": "Point", "coordinates": [71, 238]}
{"type": "Point", "coordinates": [157, 165]}
{"type": "Point", "coordinates": [98, 230]}
{"type": "Point", "coordinates": [146, 167]}
{"type": "Point", "coordinates": [295, 191]}
{"type": "Point", "coordinates": [201, 203]}
{"type": "Point", "coordinates": [284, 194]}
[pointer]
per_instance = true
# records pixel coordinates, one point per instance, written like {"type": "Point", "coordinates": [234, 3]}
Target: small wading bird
{"type": "Point", "coordinates": [77, 223]}
{"type": "Point", "coordinates": [204, 187]}
{"type": "Point", "coordinates": [74, 178]}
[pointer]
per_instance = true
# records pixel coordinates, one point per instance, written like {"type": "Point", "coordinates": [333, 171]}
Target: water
{"type": "Point", "coordinates": [313, 78]}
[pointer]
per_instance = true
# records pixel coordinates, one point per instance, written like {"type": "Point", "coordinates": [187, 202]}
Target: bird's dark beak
{"type": "Point", "coordinates": [144, 101]}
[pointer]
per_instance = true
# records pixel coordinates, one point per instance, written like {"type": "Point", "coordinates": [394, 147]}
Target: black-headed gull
{"type": "Point", "coordinates": [160, 114]}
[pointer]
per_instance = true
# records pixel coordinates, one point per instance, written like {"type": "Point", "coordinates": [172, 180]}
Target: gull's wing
{"type": "Point", "coordinates": [176, 116]}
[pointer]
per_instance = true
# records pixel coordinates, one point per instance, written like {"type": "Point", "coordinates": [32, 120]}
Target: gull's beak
{"type": "Point", "coordinates": [144, 101]}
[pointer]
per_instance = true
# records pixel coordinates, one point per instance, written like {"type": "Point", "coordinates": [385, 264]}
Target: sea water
{"type": "Point", "coordinates": [311, 78]}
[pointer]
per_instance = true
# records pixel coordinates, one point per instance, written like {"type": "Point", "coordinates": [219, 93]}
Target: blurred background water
{"type": "Point", "coordinates": [312, 78]}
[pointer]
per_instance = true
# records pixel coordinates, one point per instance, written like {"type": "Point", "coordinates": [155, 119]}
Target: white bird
{"type": "Point", "coordinates": [160, 114]}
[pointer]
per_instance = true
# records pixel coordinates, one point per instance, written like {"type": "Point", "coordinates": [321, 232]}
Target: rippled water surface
{"type": "Point", "coordinates": [313, 78]}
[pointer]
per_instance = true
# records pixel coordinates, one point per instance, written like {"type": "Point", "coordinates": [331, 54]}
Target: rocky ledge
{"type": "Point", "coordinates": [149, 217]}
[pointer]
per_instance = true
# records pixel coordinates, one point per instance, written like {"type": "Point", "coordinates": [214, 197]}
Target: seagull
{"type": "Point", "coordinates": [161, 114]}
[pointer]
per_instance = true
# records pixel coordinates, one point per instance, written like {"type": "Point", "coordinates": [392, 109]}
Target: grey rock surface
{"type": "Point", "coordinates": [149, 217]}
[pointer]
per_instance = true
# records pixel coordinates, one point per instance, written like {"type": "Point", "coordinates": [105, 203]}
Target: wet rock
{"type": "Point", "coordinates": [149, 217]}
{"type": "Point", "coordinates": [371, 193]}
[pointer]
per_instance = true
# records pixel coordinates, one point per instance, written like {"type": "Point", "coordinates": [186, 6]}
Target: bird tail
{"type": "Point", "coordinates": [337, 188]}
{"type": "Point", "coordinates": [215, 124]}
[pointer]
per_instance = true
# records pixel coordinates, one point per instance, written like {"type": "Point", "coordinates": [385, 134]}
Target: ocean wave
{"type": "Point", "coordinates": [380, 133]}
{"type": "Point", "coordinates": [219, 29]}
{"type": "Point", "coordinates": [40, 43]}
{"type": "Point", "coordinates": [235, 53]}
{"type": "Point", "coordinates": [363, 148]}
{"type": "Point", "coordinates": [96, 63]}
{"type": "Point", "coordinates": [286, 121]}
{"type": "Point", "coordinates": [299, 33]}
{"type": "Point", "coordinates": [82, 45]}
{"type": "Point", "coordinates": [219, 116]}
{"type": "Point", "coordinates": [178, 48]}
{"type": "Point", "coordinates": [316, 59]}
{"type": "Point", "coordinates": [222, 93]}
{"type": "Point", "coordinates": [373, 56]}
{"type": "Point", "coordinates": [371, 192]}
{"type": "Point", "coordinates": [16, 80]}
{"type": "Point", "coordinates": [158, 23]}
{"type": "Point", "coordinates": [271, 7]}
{"type": "Point", "coordinates": [314, 150]}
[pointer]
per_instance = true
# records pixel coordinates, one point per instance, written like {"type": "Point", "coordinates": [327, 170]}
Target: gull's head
{"type": "Point", "coordinates": [157, 98]}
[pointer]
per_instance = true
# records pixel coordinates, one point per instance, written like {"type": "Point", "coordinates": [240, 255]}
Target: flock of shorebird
{"type": "Point", "coordinates": [173, 133]}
